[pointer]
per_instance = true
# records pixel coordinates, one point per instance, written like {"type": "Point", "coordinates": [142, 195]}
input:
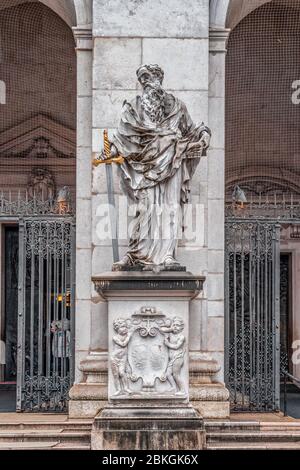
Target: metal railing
{"type": "Point", "coordinates": [295, 381]}
{"type": "Point", "coordinates": [285, 207]}
{"type": "Point", "coordinates": [27, 204]}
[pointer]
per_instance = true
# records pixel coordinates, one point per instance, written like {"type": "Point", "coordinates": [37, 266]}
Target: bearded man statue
{"type": "Point", "coordinates": [161, 147]}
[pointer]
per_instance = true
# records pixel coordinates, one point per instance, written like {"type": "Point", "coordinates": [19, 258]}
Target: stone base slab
{"type": "Point", "coordinates": [87, 400]}
{"type": "Point", "coordinates": [213, 409]}
{"type": "Point", "coordinates": [209, 392]}
{"type": "Point", "coordinates": [85, 408]}
{"type": "Point", "coordinates": [211, 400]}
{"type": "Point", "coordinates": [148, 429]}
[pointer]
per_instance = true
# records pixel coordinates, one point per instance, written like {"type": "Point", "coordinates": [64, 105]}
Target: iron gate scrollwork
{"type": "Point", "coordinates": [45, 313]}
{"type": "Point", "coordinates": [252, 314]}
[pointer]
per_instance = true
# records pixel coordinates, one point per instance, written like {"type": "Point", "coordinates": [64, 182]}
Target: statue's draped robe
{"type": "Point", "coordinates": [156, 177]}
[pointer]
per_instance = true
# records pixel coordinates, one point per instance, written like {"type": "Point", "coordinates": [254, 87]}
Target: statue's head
{"type": "Point", "coordinates": [177, 325]}
{"type": "Point", "coordinates": [151, 78]}
{"type": "Point", "coordinates": [150, 75]}
{"type": "Point", "coordinates": [120, 326]}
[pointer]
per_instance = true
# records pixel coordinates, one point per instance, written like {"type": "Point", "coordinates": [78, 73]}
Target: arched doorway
{"type": "Point", "coordinates": [262, 202]}
{"type": "Point", "coordinates": [37, 199]}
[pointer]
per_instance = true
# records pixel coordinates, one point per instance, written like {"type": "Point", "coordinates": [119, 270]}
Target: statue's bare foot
{"type": "Point", "coordinates": [125, 261]}
{"type": "Point", "coordinates": [170, 261]}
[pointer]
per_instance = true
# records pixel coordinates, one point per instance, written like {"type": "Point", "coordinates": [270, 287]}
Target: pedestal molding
{"type": "Point", "coordinates": [153, 285]}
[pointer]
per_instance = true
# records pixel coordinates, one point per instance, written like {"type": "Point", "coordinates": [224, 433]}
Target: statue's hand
{"type": "Point", "coordinates": [205, 140]}
{"type": "Point", "coordinates": [113, 153]}
{"type": "Point", "coordinates": [194, 147]}
{"type": "Point", "coordinates": [101, 156]}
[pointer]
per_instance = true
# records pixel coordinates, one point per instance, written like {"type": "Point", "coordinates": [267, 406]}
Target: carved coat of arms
{"type": "Point", "coordinates": [148, 350]}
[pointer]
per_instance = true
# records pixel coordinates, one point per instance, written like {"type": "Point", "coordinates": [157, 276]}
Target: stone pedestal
{"type": "Point", "coordinates": [148, 378]}
{"type": "Point", "coordinates": [207, 395]}
{"type": "Point", "coordinates": [90, 396]}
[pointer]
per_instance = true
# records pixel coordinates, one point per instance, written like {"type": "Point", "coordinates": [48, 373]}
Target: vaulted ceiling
{"type": "Point", "coordinates": [63, 8]}
{"type": "Point", "coordinates": [239, 9]}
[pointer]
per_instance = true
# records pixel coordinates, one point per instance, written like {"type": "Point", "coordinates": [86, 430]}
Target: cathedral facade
{"type": "Point", "coordinates": [66, 68]}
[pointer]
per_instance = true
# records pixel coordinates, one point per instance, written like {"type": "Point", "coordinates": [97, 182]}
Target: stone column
{"type": "Point", "coordinates": [216, 190]}
{"type": "Point", "coordinates": [208, 392]}
{"type": "Point", "coordinates": [85, 395]}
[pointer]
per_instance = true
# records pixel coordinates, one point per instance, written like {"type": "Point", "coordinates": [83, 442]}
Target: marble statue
{"type": "Point", "coordinates": [175, 342]}
{"type": "Point", "coordinates": [161, 147]}
{"type": "Point", "coordinates": [119, 356]}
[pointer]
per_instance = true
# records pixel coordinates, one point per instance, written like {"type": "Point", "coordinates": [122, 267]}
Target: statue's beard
{"type": "Point", "coordinates": [153, 102]}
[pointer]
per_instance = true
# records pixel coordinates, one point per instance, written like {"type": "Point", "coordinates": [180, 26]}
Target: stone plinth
{"type": "Point", "coordinates": [208, 396]}
{"type": "Point", "coordinates": [148, 369]}
{"type": "Point", "coordinates": [172, 428]}
{"type": "Point", "coordinates": [90, 396]}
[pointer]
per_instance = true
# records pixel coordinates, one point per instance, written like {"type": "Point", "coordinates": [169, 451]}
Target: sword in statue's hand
{"type": "Point", "coordinates": [108, 160]}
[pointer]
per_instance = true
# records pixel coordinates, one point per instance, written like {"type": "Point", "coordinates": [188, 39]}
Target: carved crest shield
{"type": "Point", "coordinates": [148, 357]}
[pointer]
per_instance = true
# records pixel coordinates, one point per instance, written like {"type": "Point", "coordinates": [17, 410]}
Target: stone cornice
{"type": "Point", "coordinates": [129, 283]}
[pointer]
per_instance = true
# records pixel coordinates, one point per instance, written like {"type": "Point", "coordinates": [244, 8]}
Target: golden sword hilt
{"type": "Point", "coordinates": [107, 151]}
{"type": "Point", "coordinates": [106, 144]}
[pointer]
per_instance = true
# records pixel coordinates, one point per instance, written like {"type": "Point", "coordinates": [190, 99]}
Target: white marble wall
{"type": "Point", "coordinates": [127, 34]}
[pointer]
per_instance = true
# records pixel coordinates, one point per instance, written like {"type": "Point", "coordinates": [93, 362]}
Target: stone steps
{"type": "Point", "coordinates": [252, 435]}
{"type": "Point", "coordinates": [257, 436]}
{"type": "Point", "coordinates": [39, 426]}
{"type": "Point", "coordinates": [66, 434]}
{"type": "Point", "coordinates": [280, 426]}
{"type": "Point", "coordinates": [46, 445]}
{"type": "Point", "coordinates": [254, 446]}
{"type": "Point", "coordinates": [63, 437]}
{"type": "Point", "coordinates": [212, 426]}
{"type": "Point", "coordinates": [45, 434]}
{"type": "Point", "coordinates": [229, 426]}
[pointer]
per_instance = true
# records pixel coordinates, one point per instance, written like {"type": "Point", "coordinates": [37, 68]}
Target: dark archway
{"type": "Point", "coordinates": [262, 175]}
{"type": "Point", "coordinates": [38, 119]}
{"type": "Point", "coordinates": [262, 141]}
{"type": "Point", "coordinates": [37, 189]}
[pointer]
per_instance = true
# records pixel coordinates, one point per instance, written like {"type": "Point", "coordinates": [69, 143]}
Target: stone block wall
{"type": "Point", "coordinates": [125, 35]}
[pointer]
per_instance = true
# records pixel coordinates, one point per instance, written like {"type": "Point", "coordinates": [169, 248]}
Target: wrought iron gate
{"type": "Point", "coordinates": [252, 314]}
{"type": "Point", "coordinates": [45, 312]}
